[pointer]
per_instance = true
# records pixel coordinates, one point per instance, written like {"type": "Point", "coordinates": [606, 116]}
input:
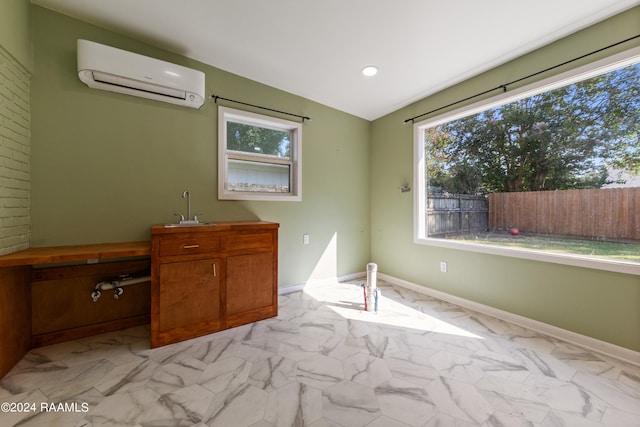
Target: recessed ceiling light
{"type": "Point", "coordinates": [370, 70]}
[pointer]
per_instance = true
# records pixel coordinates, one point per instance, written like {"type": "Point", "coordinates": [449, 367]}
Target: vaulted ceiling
{"type": "Point", "coordinates": [317, 49]}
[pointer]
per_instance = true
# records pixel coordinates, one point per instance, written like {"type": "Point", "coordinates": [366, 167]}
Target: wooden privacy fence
{"type": "Point", "coordinates": [602, 214]}
{"type": "Point", "coordinates": [449, 214]}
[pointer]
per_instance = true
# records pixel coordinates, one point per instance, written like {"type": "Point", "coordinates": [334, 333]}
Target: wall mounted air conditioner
{"type": "Point", "coordinates": [105, 67]}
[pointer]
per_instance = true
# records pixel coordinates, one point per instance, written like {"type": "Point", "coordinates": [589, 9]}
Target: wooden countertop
{"type": "Point", "coordinates": [217, 226]}
{"type": "Point", "coordinates": [52, 254]}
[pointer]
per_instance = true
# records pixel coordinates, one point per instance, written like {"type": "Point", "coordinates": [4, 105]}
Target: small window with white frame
{"type": "Point", "coordinates": [259, 157]}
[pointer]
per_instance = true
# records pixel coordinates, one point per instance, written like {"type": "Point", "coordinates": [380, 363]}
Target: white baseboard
{"type": "Point", "coordinates": [593, 344]}
{"type": "Point", "coordinates": [290, 289]}
{"type": "Point", "coordinates": [315, 282]}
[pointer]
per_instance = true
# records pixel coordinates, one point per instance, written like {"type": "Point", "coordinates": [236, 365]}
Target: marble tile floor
{"type": "Point", "coordinates": [325, 362]}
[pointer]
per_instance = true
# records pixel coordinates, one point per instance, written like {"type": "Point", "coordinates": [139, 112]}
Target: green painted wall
{"type": "Point", "coordinates": [106, 166]}
{"type": "Point", "coordinates": [595, 303]}
{"type": "Point", "coordinates": [14, 30]}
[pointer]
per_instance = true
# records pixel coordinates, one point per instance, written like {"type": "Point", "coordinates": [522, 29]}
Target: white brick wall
{"type": "Point", "coordinates": [15, 148]}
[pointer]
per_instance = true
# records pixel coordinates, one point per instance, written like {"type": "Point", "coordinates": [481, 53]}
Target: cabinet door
{"type": "Point", "coordinates": [189, 298]}
{"type": "Point", "coordinates": [251, 292]}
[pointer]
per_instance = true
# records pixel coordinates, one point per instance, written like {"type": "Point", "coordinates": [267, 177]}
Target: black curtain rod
{"type": "Point", "coordinates": [216, 97]}
{"type": "Point", "coordinates": [504, 86]}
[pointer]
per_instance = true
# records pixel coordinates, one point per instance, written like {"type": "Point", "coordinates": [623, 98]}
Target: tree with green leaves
{"type": "Point", "coordinates": [562, 139]}
{"type": "Point", "coordinates": [258, 140]}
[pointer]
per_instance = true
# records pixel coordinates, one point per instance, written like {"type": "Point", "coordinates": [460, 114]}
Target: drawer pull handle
{"type": "Point", "coordinates": [213, 269]}
{"type": "Point", "coordinates": [191, 246]}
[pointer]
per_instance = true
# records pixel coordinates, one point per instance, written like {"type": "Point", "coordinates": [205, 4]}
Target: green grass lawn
{"type": "Point", "coordinates": [608, 250]}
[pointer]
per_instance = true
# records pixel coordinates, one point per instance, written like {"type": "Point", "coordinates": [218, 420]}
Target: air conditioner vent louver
{"type": "Point", "coordinates": [116, 70]}
{"type": "Point", "coordinates": [145, 87]}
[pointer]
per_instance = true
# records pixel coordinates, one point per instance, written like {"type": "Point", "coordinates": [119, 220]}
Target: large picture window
{"type": "Point", "coordinates": [259, 157]}
{"type": "Point", "coordinates": [548, 172]}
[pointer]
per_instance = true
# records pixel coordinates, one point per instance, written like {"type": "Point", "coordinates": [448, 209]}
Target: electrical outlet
{"type": "Point", "coordinates": [305, 239]}
{"type": "Point", "coordinates": [443, 266]}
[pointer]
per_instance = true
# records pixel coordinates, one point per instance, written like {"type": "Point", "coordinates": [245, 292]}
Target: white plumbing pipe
{"type": "Point", "coordinates": [105, 286]}
{"type": "Point", "coordinates": [372, 269]}
{"type": "Point", "coordinates": [117, 286]}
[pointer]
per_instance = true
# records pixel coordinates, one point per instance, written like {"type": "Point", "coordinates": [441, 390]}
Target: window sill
{"type": "Point", "coordinates": [564, 259]}
{"type": "Point", "coordinates": [269, 197]}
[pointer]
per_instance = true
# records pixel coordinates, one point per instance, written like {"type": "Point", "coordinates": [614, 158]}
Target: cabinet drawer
{"type": "Point", "coordinates": [249, 241]}
{"type": "Point", "coordinates": [192, 243]}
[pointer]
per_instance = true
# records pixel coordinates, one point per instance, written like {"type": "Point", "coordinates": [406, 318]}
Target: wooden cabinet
{"type": "Point", "coordinates": [189, 295]}
{"type": "Point", "coordinates": [249, 288]}
{"type": "Point", "coordinates": [208, 278]}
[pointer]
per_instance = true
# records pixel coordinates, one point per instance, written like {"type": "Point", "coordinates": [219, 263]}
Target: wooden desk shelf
{"type": "Point", "coordinates": [55, 254]}
{"type": "Point", "coordinates": [51, 303]}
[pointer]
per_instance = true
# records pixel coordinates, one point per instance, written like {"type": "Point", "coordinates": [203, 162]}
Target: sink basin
{"type": "Point", "coordinates": [199, 224]}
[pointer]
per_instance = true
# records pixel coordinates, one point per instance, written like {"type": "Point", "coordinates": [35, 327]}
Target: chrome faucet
{"type": "Point", "coordinates": [186, 195]}
{"type": "Point", "coordinates": [189, 220]}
